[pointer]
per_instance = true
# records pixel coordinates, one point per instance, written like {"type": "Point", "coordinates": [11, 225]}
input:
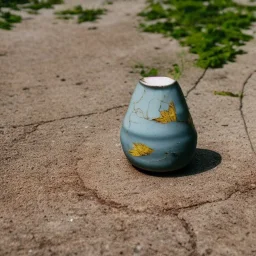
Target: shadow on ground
{"type": "Point", "coordinates": [204, 160]}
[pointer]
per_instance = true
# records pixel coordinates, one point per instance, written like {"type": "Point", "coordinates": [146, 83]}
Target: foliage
{"type": "Point", "coordinates": [176, 71]}
{"type": "Point", "coordinates": [12, 4]}
{"type": "Point", "coordinates": [150, 72]}
{"type": "Point", "coordinates": [45, 4]}
{"type": "Point", "coordinates": [146, 71]}
{"type": "Point", "coordinates": [5, 25]}
{"type": "Point", "coordinates": [224, 93]}
{"type": "Point", "coordinates": [7, 18]}
{"type": "Point", "coordinates": [212, 29]}
{"type": "Point", "coordinates": [30, 4]}
{"type": "Point", "coordinates": [83, 15]}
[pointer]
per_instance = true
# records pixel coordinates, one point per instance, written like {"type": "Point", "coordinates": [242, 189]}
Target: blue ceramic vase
{"type": "Point", "coordinates": [157, 133]}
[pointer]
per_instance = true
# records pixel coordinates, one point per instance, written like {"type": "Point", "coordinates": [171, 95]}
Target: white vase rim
{"type": "Point", "coordinates": [157, 81]}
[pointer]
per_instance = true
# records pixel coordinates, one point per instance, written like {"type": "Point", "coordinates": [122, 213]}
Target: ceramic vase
{"type": "Point", "coordinates": [157, 132]}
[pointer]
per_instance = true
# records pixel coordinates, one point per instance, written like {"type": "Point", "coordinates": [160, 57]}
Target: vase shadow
{"type": "Point", "coordinates": [204, 160]}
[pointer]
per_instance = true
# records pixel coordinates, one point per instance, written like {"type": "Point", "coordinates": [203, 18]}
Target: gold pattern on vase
{"type": "Point", "coordinates": [167, 116]}
{"type": "Point", "coordinates": [140, 149]}
{"type": "Point", "coordinates": [157, 133]}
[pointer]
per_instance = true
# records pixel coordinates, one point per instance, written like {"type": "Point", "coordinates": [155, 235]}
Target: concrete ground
{"type": "Point", "coordinates": [66, 187]}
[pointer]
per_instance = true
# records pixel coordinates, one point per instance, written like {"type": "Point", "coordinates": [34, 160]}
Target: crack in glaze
{"type": "Point", "coordinates": [135, 110]}
{"type": "Point", "coordinates": [146, 116]}
{"type": "Point", "coordinates": [167, 154]}
{"type": "Point", "coordinates": [139, 110]}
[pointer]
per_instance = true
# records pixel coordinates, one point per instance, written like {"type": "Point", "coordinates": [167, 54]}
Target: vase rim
{"type": "Point", "coordinates": [157, 81]}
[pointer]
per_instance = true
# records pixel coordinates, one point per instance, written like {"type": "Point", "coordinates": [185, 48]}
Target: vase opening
{"type": "Point", "coordinates": [157, 81]}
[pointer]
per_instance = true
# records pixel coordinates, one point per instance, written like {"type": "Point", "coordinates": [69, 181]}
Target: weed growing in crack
{"type": "Point", "coordinates": [176, 71]}
{"type": "Point", "coordinates": [12, 4]}
{"type": "Point", "coordinates": [213, 30]}
{"type": "Point", "coordinates": [83, 15]}
{"type": "Point", "coordinates": [46, 4]}
{"type": "Point", "coordinates": [146, 71]}
{"type": "Point", "coordinates": [231, 94]}
{"type": "Point", "coordinates": [7, 19]}
{"type": "Point", "coordinates": [150, 72]}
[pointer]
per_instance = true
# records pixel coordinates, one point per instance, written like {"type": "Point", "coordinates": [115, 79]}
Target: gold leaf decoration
{"type": "Point", "coordinates": [140, 149]}
{"type": "Point", "coordinates": [167, 116]}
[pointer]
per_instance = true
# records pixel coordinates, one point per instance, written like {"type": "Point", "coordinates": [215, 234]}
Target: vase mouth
{"type": "Point", "coordinates": [157, 81]}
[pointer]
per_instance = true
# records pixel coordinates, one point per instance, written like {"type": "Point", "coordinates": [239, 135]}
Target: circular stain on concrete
{"type": "Point", "coordinates": [105, 169]}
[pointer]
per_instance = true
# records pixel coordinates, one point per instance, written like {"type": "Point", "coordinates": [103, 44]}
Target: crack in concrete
{"type": "Point", "coordinates": [171, 211]}
{"type": "Point", "coordinates": [176, 211]}
{"type": "Point", "coordinates": [192, 235]}
{"type": "Point", "coordinates": [36, 125]}
{"type": "Point", "coordinates": [111, 204]}
{"type": "Point", "coordinates": [25, 134]}
{"type": "Point", "coordinates": [242, 113]}
{"type": "Point", "coordinates": [115, 107]}
{"type": "Point", "coordinates": [189, 228]}
{"type": "Point", "coordinates": [92, 194]}
{"type": "Point", "coordinates": [196, 83]}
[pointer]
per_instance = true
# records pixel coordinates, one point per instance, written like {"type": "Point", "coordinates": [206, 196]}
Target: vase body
{"type": "Point", "coordinates": [157, 132]}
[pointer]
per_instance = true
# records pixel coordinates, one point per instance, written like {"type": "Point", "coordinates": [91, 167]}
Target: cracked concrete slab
{"type": "Point", "coordinates": [225, 228]}
{"type": "Point", "coordinates": [248, 107]}
{"type": "Point", "coordinates": [66, 187]}
{"type": "Point", "coordinates": [211, 170]}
